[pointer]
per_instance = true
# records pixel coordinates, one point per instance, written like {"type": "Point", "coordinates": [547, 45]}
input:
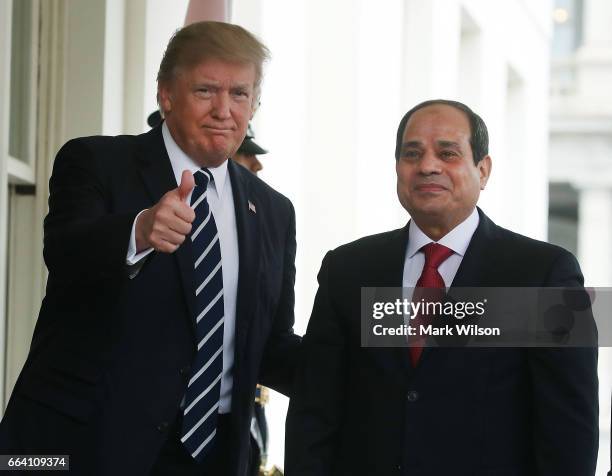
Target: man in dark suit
{"type": "Point", "coordinates": [439, 411]}
{"type": "Point", "coordinates": [170, 291]}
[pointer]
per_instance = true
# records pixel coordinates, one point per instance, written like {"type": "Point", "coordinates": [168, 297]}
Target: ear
{"type": "Point", "coordinates": [484, 168]}
{"type": "Point", "coordinates": [164, 97]}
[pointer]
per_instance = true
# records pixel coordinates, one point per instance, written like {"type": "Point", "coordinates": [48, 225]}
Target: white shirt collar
{"type": "Point", "coordinates": [458, 239]}
{"type": "Point", "coordinates": [181, 161]}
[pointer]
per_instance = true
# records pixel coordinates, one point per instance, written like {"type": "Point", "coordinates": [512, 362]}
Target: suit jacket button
{"type": "Point", "coordinates": [162, 427]}
{"type": "Point", "coordinates": [185, 370]}
{"type": "Point", "coordinates": [412, 396]}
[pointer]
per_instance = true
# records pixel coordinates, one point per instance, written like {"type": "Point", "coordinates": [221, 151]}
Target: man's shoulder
{"type": "Point", "coordinates": [266, 194]}
{"type": "Point", "coordinates": [379, 242]}
{"type": "Point", "coordinates": [101, 143]}
{"type": "Point", "coordinates": [522, 260]}
{"type": "Point", "coordinates": [112, 155]}
{"type": "Point", "coordinates": [521, 245]}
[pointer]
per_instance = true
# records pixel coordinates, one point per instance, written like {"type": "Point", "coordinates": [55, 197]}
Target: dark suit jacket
{"type": "Point", "coordinates": [109, 360]}
{"type": "Point", "coordinates": [461, 412]}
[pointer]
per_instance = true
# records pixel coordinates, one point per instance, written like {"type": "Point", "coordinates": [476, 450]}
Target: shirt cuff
{"type": "Point", "coordinates": [133, 257]}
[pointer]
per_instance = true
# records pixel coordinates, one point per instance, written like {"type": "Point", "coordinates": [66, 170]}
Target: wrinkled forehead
{"type": "Point", "coordinates": [216, 68]}
{"type": "Point", "coordinates": [439, 122]}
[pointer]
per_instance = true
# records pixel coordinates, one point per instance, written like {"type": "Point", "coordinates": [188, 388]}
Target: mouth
{"type": "Point", "coordinates": [218, 130]}
{"type": "Point", "coordinates": [430, 188]}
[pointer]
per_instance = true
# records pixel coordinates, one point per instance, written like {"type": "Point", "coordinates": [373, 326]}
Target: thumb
{"type": "Point", "coordinates": [187, 184]}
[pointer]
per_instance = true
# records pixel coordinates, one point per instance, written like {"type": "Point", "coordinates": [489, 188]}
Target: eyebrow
{"type": "Point", "coordinates": [217, 84]}
{"type": "Point", "coordinates": [243, 86]}
{"type": "Point", "coordinates": [448, 143]}
{"type": "Point", "coordinates": [207, 82]}
{"type": "Point", "coordinates": [413, 143]}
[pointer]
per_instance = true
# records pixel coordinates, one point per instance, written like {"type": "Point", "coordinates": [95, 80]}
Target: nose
{"type": "Point", "coordinates": [221, 105]}
{"type": "Point", "coordinates": [429, 164]}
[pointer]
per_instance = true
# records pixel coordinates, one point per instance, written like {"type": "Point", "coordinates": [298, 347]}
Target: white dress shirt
{"type": "Point", "coordinates": [457, 240]}
{"type": "Point", "coordinates": [221, 201]}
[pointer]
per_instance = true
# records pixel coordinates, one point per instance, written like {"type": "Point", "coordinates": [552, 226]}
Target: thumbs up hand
{"type": "Point", "coordinates": [186, 185]}
{"type": "Point", "coordinates": [165, 225]}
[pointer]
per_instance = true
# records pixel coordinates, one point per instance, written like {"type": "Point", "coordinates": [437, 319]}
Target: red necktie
{"type": "Point", "coordinates": [435, 255]}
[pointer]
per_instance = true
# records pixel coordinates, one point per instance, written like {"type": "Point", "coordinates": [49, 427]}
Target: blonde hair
{"type": "Point", "coordinates": [193, 44]}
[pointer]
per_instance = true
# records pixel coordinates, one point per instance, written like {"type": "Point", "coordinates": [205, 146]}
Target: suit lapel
{"type": "Point", "coordinates": [248, 228]}
{"type": "Point", "coordinates": [477, 258]}
{"type": "Point", "coordinates": [158, 176]}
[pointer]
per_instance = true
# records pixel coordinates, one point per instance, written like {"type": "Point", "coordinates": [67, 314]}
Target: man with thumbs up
{"type": "Point", "coordinates": [170, 291]}
{"type": "Point", "coordinates": [166, 225]}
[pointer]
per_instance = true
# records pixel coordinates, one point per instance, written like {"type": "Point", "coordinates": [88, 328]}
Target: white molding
{"type": "Point", "coordinates": [20, 172]}
{"type": "Point", "coordinates": [33, 89]}
{"type": "Point", "coordinates": [5, 80]}
{"type": "Point", "coordinates": [113, 85]}
{"type": "Point", "coordinates": [581, 125]}
{"type": "Point", "coordinates": [134, 36]}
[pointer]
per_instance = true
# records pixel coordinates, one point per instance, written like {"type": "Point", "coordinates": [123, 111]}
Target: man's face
{"type": "Point", "coordinates": [207, 109]}
{"type": "Point", "coordinates": [437, 181]}
{"type": "Point", "coordinates": [250, 161]}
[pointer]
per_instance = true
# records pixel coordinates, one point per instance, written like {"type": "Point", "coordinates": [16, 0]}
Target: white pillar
{"type": "Point", "coordinates": [605, 390]}
{"type": "Point", "coordinates": [595, 235]}
{"type": "Point", "coordinates": [594, 58]}
{"type": "Point", "coordinates": [595, 256]}
{"type": "Point", "coordinates": [5, 79]}
{"type": "Point", "coordinates": [596, 26]}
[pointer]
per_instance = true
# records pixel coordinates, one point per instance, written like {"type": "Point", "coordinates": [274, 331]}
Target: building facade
{"type": "Point", "coordinates": [341, 76]}
{"type": "Point", "coordinates": [580, 171]}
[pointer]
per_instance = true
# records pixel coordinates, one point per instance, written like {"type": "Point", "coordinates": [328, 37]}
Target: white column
{"type": "Point", "coordinates": [149, 24]}
{"type": "Point", "coordinates": [594, 58]}
{"type": "Point", "coordinates": [162, 19]}
{"type": "Point", "coordinates": [595, 235]}
{"type": "Point", "coordinates": [5, 78]}
{"type": "Point", "coordinates": [597, 18]}
{"type": "Point", "coordinates": [605, 390]}
{"type": "Point", "coordinates": [594, 61]}
{"type": "Point", "coordinates": [113, 65]}
{"type": "Point", "coordinates": [84, 77]}
{"type": "Point", "coordinates": [595, 256]}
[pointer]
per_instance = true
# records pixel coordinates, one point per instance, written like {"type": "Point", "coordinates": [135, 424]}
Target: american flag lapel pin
{"type": "Point", "coordinates": [252, 207]}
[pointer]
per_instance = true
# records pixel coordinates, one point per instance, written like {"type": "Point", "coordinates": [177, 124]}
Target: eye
{"type": "Point", "coordinates": [448, 154]}
{"type": "Point", "coordinates": [411, 154]}
{"type": "Point", "coordinates": [204, 92]}
{"type": "Point", "coordinates": [240, 94]}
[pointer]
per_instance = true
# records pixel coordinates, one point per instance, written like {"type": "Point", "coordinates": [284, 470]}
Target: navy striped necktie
{"type": "Point", "coordinates": [203, 391]}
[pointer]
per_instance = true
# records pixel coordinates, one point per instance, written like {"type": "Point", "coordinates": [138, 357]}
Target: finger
{"type": "Point", "coordinates": [186, 185]}
{"type": "Point", "coordinates": [179, 226]}
{"type": "Point", "coordinates": [184, 212]}
{"type": "Point", "coordinates": [172, 237]}
{"type": "Point", "coordinates": [165, 247]}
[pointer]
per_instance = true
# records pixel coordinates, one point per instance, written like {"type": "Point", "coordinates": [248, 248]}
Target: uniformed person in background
{"type": "Point", "coordinates": [247, 153]}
